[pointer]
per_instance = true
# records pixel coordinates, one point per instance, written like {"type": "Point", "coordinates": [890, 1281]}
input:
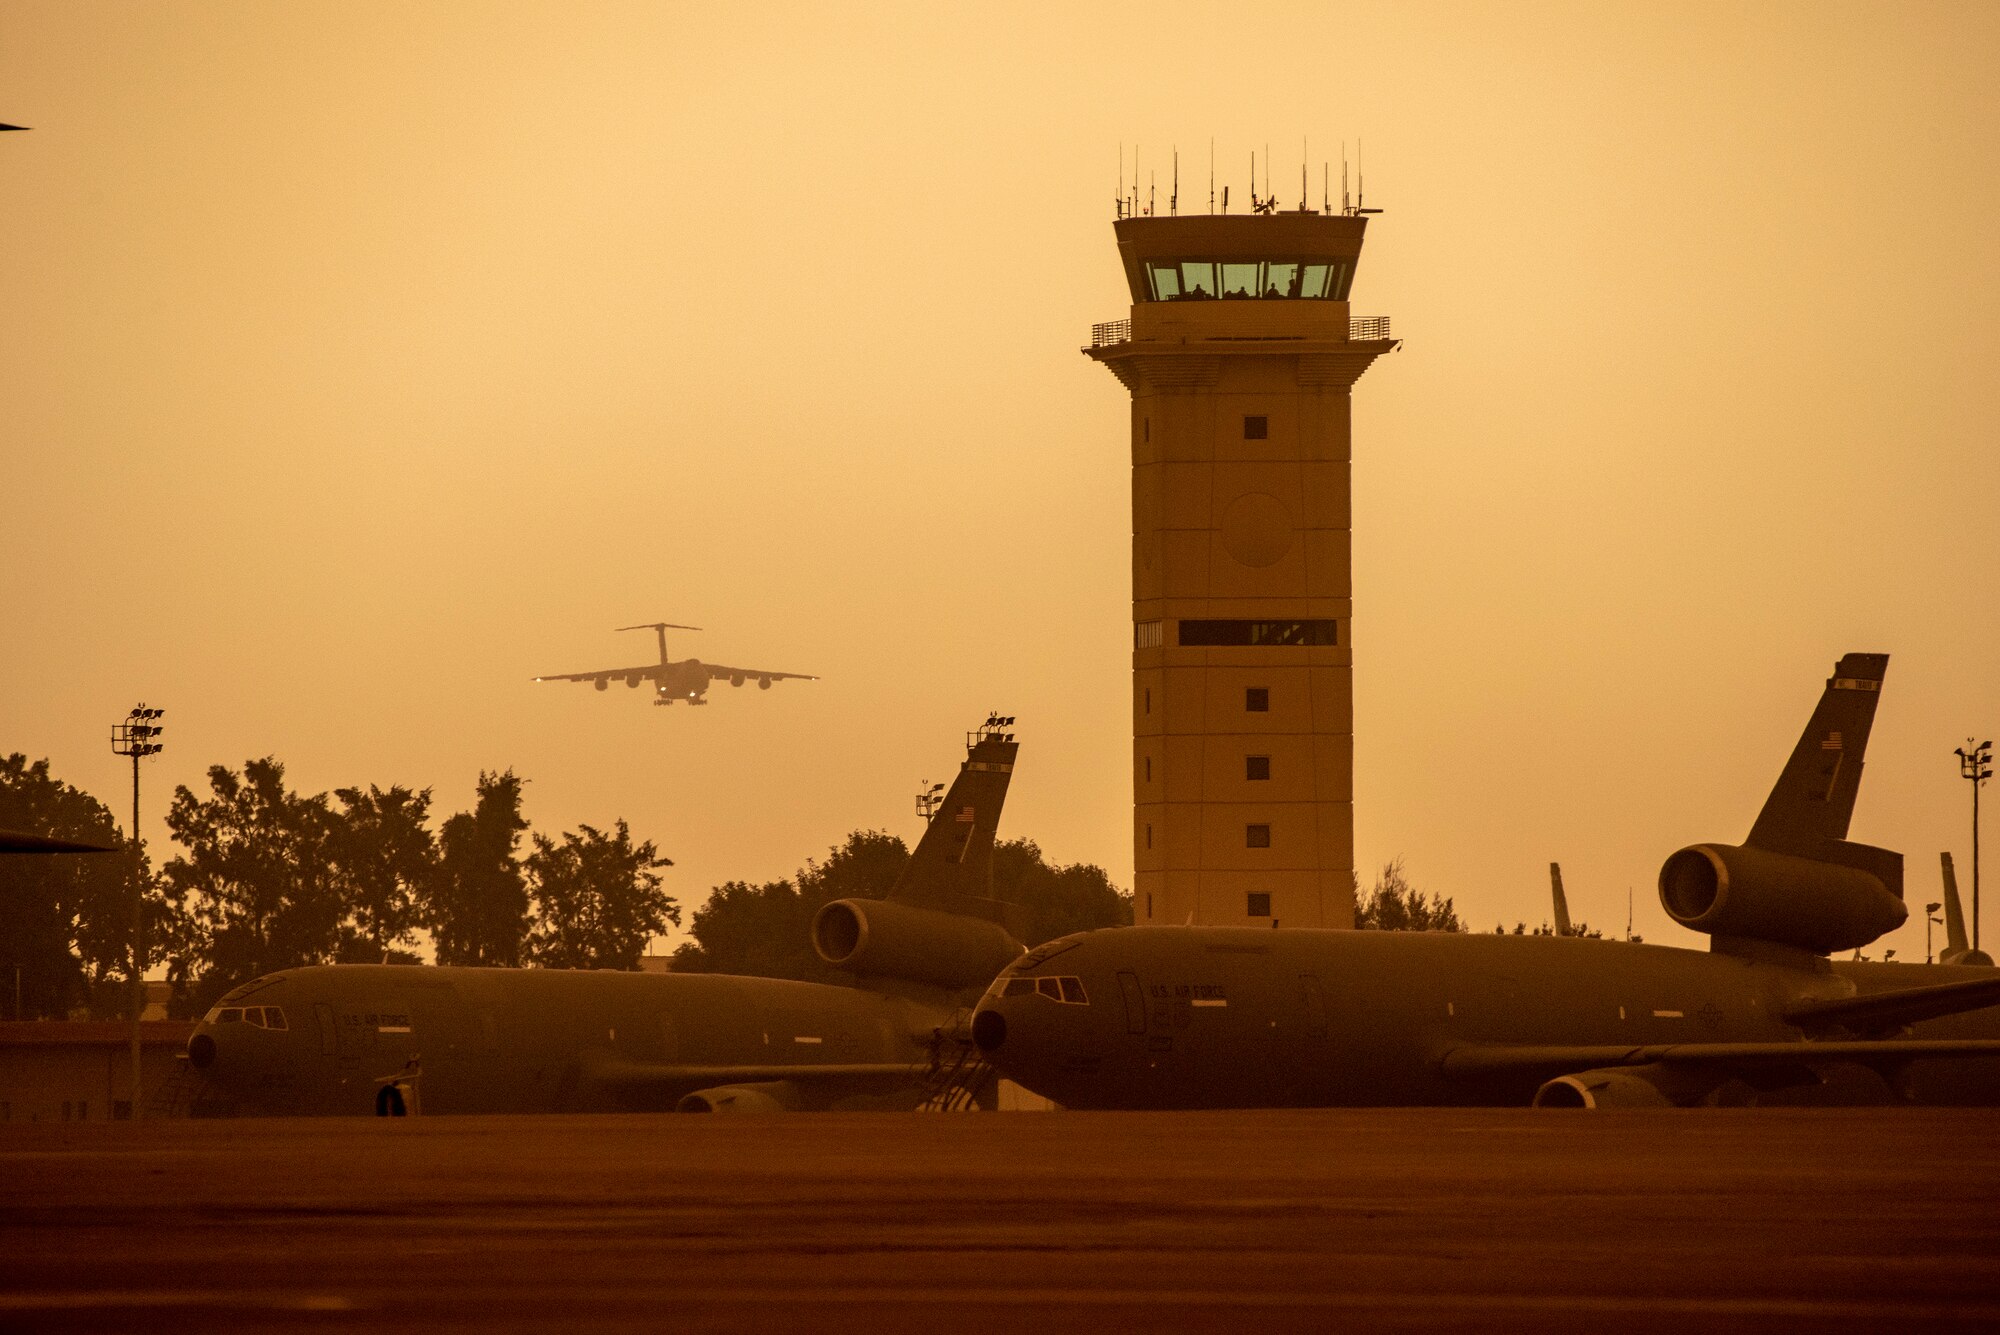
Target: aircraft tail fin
{"type": "Point", "coordinates": [1561, 901]}
{"type": "Point", "coordinates": [1958, 947]}
{"type": "Point", "coordinates": [1812, 804]}
{"type": "Point", "coordinates": [951, 868]}
{"type": "Point", "coordinates": [1955, 940]}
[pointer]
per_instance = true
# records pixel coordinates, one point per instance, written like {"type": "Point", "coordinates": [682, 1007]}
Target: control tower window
{"type": "Point", "coordinates": [1215, 634]}
{"type": "Point", "coordinates": [1256, 700]}
{"type": "Point", "coordinates": [1259, 905]}
{"type": "Point", "coordinates": [1256, 767]}
{"type": "Point", "coordinates": [1256, 836]}
{"type": "Point", "coordinates": [1324, 279]}
{"type": "Point", "coordinates": [1256, 428]}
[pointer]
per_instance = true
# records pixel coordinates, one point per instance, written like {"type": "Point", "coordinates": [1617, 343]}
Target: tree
{"type": "Point", "coordinates": [1056, 900]}
{"type": "Point", "coordinates": [65, 919]}
{"type": "Point", "coordinates": [383, 854]}
{"type": "Point", "coordinates": [1394, 905]}
{"type": "Point", "coordinates": [766, 930]}
{"type": "Point", "coordinates": [597, 899]}
{"type": "Point", "coordinates": [475, 899]}
{"type": "Point", "coordinates": [257, 880]}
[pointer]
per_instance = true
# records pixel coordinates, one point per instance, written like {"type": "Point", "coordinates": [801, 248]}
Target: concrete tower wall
{"type": "Point", "coordinates": [1241, 516]}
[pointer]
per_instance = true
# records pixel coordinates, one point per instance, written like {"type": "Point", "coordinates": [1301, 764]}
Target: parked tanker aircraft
{"type": "Point", "coordinates": [1223, 1017]}
{"type": "Point", "coordinates": [357, 1039]}
{"type": "Point", "coordinates": [687, 679]}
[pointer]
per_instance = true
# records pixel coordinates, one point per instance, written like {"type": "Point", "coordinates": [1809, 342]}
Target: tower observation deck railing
{"type": "Point", "coordinates": [1360, 329]}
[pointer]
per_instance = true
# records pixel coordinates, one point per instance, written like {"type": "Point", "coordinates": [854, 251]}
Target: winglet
{"type": "Point", "coordinates": [1562, 902]}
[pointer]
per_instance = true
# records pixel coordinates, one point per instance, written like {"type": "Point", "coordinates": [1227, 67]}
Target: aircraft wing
{"type": "Point", "coordinates": [647, 672]}
{"type": "Point", "coordinates": [633, 1074]}
{"type": "Point", "coordinates": [719, 673]}
{"type": "Point", "coordinates": [1473, 1059]}
{"type": "Point", "coordinates": [1901, 1007]}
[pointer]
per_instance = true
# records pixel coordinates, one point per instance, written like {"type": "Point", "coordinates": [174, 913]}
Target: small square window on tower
{"type": "Point", "coordinates": [1256, 836]}
{"type": "Point", "coordinates": [1256, 428]}
{"type": "Point", "coordinates": [1257, 700]}
{"type": "Point", "coordinates": [1260, 904]}
{"type": "Point", "coordinates": [1256, 767]}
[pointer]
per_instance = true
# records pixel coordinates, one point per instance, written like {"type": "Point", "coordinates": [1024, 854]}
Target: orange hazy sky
{"type": "Point", "coordinates": [360, 361]}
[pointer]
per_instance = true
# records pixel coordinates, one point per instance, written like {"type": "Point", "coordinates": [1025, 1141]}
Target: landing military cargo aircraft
{"type": "Point", "coordinates": [1224, 1017]}
{"type": "Point", "coordinates": [357, 1039]}
{"type": "Point", "coordinates": [686, 680]}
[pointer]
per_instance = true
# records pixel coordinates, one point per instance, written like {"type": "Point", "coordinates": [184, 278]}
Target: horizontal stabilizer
{"type": "Point", "coordinates": [1895, 1009]}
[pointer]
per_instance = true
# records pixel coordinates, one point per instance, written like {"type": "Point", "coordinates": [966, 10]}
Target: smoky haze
{"type": "Point", "coordinates": [363, 361]}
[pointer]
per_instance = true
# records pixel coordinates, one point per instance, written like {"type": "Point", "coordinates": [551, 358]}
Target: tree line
{"type": "Point", "coordinates": [269, 878]}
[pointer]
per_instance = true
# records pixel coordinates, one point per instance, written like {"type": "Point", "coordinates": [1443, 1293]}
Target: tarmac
{"type": "Point", "coordinates": [1405, 1220]}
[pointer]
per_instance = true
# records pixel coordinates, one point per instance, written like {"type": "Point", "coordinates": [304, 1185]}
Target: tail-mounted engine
{"type": "Point", "coordinates": [880, 938]}
{"type": "Point", "coordinates": [1821, 906]}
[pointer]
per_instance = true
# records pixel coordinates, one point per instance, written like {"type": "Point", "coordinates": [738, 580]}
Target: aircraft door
{"type": "Point", "coordinates": [329, 1042]}
{"type": "Point", "coordinates": [1135, 1003]}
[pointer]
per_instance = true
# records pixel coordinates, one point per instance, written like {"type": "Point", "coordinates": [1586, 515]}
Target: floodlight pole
{"type": "Point", "coordinates": [1974, 764]}
{"type": "Point", "coordinates": [137, 737]}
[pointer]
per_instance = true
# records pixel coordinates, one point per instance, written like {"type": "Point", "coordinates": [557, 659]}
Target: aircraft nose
{"type": "Point", "coordinates": [989, 1030]}
{"type": "Point", "coordinates": [201, 1052]}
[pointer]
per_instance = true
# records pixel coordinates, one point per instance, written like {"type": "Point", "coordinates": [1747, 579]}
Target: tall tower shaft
{"type": "Point", "coordinates": [1240, 355]}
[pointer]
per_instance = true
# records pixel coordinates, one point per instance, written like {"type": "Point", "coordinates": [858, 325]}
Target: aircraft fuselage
{"type": "Point", "coordinates": [1194, 1017]}
{"type": "Point", "coordinates": [551, 1040]}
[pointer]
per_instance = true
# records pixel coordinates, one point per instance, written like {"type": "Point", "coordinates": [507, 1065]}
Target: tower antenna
{"type": "Point", "coordinates": [1346, 206]}
{"type": "Point", "coordinates": [1121, 178]}
{"type": "Point", "coordinates": [1255, 202]}
{"type": "Point", "coordinates": [1211, 173]}
{"type": "Point", "coordinates": [1360, 181]}
{"type": "Point", "coordinates": [1304, 188]}
{"type": "Point", "coordinates": [1325, 189]}
{"type": "Point", "coordinates": [1174, 200]}
{"type": "Point", "coordinates": [1152, 194]}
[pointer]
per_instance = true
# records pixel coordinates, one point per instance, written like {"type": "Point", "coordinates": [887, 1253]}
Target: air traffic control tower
{"type": "Point", "coordinates": [1240, 356]}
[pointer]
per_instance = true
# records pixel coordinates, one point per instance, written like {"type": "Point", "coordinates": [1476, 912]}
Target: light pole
{"type": "Point", "coordinates": [1930, 921]}
{"type": "Point", "coordinates": [1976, 765]}
{"type": "Point", "coordinates": [138, 737]}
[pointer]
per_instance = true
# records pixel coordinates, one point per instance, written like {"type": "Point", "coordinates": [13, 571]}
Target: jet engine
{"type": "Point", "coordinates": [770, 1096]}
{"type": "Point", "coordinates": [634, 680]}
{"type": "Point", "coordinates": [1621, 1087]}
{"type": "Point", "coordinates": [603, 683]}
{"type": "Point", "coordinates": [763, 683]}
{"type": "Point", "coordinates": [1731, 890]}
{"type": "Point", "coordinates": [736, 679]}
{"type": "Point", "coordinates": [884, 939]}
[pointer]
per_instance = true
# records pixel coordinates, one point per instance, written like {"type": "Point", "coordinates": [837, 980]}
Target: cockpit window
{"type": "Point", "coordinates": [1064, 990]}
{"type": "Point", "coordinates": [262, 1017]}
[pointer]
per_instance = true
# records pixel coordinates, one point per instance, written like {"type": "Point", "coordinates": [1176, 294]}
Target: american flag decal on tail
{"type": "Point", "coordinates": [1832, 742]}
{"type": "Point", "coordinates": [965, 816]}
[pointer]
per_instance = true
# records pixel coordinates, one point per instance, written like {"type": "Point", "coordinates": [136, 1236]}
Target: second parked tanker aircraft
{"type": "Point", "coordinates": [1224, 1017]}
{"type": "Point", "coordinates": [357, 1038]}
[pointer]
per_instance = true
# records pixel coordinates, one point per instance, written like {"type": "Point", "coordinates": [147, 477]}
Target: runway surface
{"type": "Point", "coordinates": [1419, 1220]}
